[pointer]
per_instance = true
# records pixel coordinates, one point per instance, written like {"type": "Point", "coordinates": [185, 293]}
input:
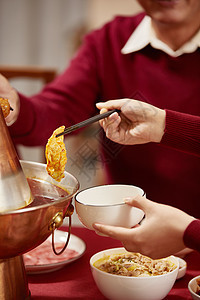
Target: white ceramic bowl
{"type": "Point", "coordinates": [116, 287]}
{"type": "Point", "coordinates": [192, 286]}
{"type": "Point", "coordinates": [105, 204]}
{"type": "Point", "coordinates": [182, 268]}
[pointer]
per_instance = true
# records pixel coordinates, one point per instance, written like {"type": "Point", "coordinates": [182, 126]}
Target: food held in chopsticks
{"type": "Point", "coordinates": [5, 106]}
{"type": "Point", "coordinates": [56, 155]}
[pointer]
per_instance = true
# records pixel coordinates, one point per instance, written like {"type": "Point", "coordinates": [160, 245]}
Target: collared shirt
{"type": "Point", "coordinates": [144, 34]}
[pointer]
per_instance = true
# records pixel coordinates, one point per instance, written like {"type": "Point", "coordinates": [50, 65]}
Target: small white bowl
{"type": "Point", "coordinates": [116, 287]}
{"type": "Point", "coordinates": [182, 268]}
{"type": "Point", "coordinates": [105, 204]}
{"type": "Point", "coordinates": [192, 286]}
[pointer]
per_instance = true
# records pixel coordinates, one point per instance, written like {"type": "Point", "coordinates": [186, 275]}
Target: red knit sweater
{"type": "Point", "coordinates": [188, 141]}
{"type": "Point", "coordinates": [100, 72]}
{"type": "Point", "coordinates": [191, 236]}
{"type": "Point", "coordinates": [182, 132]}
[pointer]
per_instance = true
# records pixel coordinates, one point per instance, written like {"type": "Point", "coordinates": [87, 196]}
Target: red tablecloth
{"type": "Point", "coordinates": [74, 281]}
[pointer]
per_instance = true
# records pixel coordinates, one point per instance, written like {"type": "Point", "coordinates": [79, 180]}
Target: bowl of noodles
{"type": "Point", "coordinates": [194, 287]}
{"type": "Point", "coordinates": [120, 274]}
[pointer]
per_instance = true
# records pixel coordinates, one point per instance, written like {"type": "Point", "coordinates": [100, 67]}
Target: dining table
{"type": "Point", "coordinates": [74, 280]}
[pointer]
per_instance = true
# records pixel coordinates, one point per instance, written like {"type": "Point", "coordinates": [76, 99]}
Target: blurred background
{"type": "Point", "coordinates": [46, 34]}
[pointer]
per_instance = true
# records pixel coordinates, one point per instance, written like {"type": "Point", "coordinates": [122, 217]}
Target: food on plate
{"type": "Point", "coordinates": [5, 106]}
{"type": "Point", "coordinates": [56, 155]}
{"type": "Point", "coordinates": [134, 264]}
{"type": "Point", "coordinates": [44, 255]}
{"type": "Point", "coordinates": [198, 286]}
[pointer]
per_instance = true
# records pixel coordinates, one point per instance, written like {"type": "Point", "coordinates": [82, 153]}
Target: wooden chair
{"type": "Point", "coordinates": [43, 73]}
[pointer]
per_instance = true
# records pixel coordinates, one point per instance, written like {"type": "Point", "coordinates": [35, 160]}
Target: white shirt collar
{"type": "Point", "coordinates": [144, 34]}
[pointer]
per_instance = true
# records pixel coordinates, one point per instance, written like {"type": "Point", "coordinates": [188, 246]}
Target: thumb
{"type": "Point", "coordinates": [139, 201]}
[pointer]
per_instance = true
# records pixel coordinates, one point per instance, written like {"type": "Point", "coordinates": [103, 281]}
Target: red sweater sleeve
{"type": "Point", "coordinates": [191, 236]}
{"type": "Point", "coordinates": [182, 132]}
{"type": "Point", "coordinates": [69, 99]}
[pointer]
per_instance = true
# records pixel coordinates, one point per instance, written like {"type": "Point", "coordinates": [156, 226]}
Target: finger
{"type": "Point", "coordinates": [103, 110]}
{"type": "Point", "coordinates": [111, 123]}
{"type": "Point", "coordinates": [118, 233]}
{"type": "Point", "coordinates": [140, 202]}
{"type": "Point", "coordinates": [10, 119]}
{"type": "Point", "coordinates": [113, 116]}
{"type": "Point", "coordinates": [108, 105]}
{"type": "Point", "coordinates": [101, 122]}
{"type": "Point", "coordinates": [114, 135]}
{"type": "Point", "coordinates": [111, 104]}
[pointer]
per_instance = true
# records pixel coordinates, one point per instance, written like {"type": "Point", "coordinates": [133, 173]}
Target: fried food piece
{"type": "Point", "coordinates": [5, 106]}
{"type": "Point", "coordinates": [56, 155]}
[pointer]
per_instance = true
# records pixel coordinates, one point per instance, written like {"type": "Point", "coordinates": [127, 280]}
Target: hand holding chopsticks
{"type": "Point", "coordinates": [88, 122]}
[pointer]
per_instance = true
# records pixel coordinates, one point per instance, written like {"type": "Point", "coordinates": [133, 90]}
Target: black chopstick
{"type": "Point", "coordinates": [88, 122]}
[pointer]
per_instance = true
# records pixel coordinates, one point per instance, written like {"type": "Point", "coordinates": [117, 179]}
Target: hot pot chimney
{"type": "Point", "coordinates": [14, 189]}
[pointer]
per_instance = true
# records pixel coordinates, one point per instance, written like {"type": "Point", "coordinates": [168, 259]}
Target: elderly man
{"type": "Point", "coordinates": [153, 57]}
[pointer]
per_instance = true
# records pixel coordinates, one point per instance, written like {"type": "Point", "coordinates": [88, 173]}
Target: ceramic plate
{"type": "Point", "coordinates": [44, 264]}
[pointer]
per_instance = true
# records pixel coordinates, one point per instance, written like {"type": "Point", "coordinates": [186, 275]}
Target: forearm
{"type": "Point", "coordinates": [182, 132]}
{"type": "Point", "coordinates": [69, 99]}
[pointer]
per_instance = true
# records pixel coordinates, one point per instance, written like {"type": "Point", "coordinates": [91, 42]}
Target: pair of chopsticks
{"type": "Point", "coordinates": [88, 122]}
